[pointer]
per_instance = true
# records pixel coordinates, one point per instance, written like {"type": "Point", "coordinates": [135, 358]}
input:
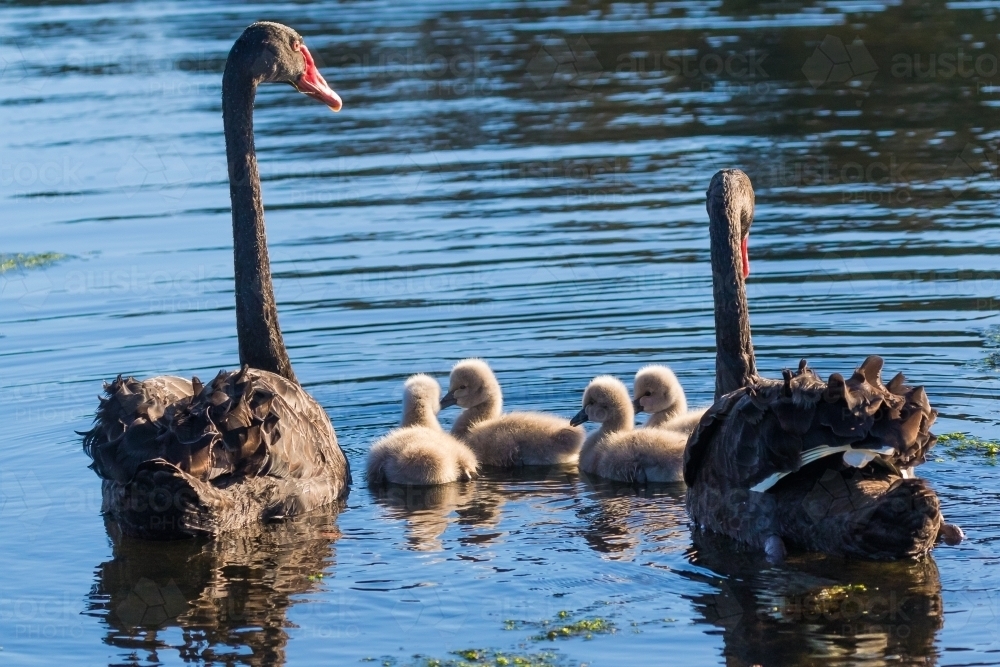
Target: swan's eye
{"type": "Point", "coordinates": [648, 393]}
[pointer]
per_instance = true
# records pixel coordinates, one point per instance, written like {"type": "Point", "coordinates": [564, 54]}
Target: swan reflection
{"type": "Point", "coordinates": [426, 510]}
{"type": "Point", "coordinates": [476, 507]}
{"type": "Point", "coordinates": [228, 596]}
{"type": "Point", "coordinates": [815, 608]}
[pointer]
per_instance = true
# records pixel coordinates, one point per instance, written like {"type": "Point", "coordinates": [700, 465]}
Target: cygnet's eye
{"type": "Point", "coordinates": [464, 386]}
{"type": "Point", "coordinates": [648, 393]}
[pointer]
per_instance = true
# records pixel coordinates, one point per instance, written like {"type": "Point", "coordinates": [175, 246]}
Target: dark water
{"type": "Point", "coordinates": [523, 182]}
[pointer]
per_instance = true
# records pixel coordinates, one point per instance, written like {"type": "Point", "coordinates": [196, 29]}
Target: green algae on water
{"type": "Point", "coordinates": [28, 261]}
{"type": "Point", "coordinates": [585, 628]}
{"type": "Point", "coordinates": [481, 657]}
{"type": "Point", "coordinates": [955, 444]}
{"type": "Point", "coordinates": [561, 629]}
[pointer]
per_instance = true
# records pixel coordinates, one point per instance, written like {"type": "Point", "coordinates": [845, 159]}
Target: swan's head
{"type": "Point", "coordinates": [656, 389]}
{"type": "Point", "coordinates": [605, 401]}
{"type": "Point", "coordinates": [421, 394]}
{"type": "Point", "coordinates": [471, 383]}
{"type": "Point", "coordinates": [730, 197]}
{"type": "Point", "coordinates": [274, 53]}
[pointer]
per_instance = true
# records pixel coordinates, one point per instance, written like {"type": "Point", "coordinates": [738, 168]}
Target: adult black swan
{"type": "Point", "coordinates": [821, 466]}
{"type": "Point", "coordinates": [178, 457]}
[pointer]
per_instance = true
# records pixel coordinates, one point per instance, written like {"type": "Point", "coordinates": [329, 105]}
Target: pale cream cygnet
{"type": "Point", "coordinates": [419, 451]}
{"type": "Point", "coordinates": [505, 440]}
{"type": "Point", "coordinates": [619, 451]}
{"type": "Point", "coordinates": [657, 390]}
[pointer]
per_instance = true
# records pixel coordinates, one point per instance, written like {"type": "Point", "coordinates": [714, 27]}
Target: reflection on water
{"type": "Point", "coordinates": [616, 523]}
{"type": "Point", "coordinates": [815, 609]}
{"type": "Point", "coordinates": [518, 181]}
{"type": "Point", "coordinates": [228, 596]}
{"type": "Point", "coordinates": [427, 510]}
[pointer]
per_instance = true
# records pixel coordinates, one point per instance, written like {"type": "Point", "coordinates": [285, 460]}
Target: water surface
{"type": "Point", "coordinates": [522, 182]}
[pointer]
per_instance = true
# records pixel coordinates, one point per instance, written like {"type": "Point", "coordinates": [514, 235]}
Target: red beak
{"type": "Point", "coordinates": [313, 84]}
{"type": "Point", "coordinates": [746, 257]}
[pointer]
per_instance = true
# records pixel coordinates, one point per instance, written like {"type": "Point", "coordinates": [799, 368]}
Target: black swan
{"type": "Point", "coordinates": [179, 458]}
{"type": "Point", "coordinates": [821, 466]}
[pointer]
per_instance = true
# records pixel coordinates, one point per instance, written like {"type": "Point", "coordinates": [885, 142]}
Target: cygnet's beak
{"type": "Point", "coordinates": [636, 405]}
{"type": "Point", "coordinates": [580, 418]}
{"type": "Point", "coordinates": [448, 400]}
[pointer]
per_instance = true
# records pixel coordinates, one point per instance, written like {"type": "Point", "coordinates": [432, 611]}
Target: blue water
{"type": "Point", "coordinates": [521, 182]}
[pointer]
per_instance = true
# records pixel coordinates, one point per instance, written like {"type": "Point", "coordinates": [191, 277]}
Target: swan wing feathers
{"type": "Point", "coordinates": [130, 405]}
{"type": "Point", "coordinates": [756, 435]}
{"type": "Point", "coordinates": [246, 423]}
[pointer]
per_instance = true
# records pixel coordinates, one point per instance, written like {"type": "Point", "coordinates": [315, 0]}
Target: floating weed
{"type": "Point", "coordinates": [481, 657]}
{"type": "Point", "coordinates": [585, 628]}
{"type": "Point", "coordinates": [562, 627]}
{"type": "Point", "coordinates": [955, 444]}
{"type": "Point", "coordinates": [28, 261]}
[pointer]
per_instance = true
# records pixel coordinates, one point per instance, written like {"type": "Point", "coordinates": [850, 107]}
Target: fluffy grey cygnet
{"type": "Point", "coordinates": [419, 451]}
{"type": "Point", "coordinates": [619, 451]}
{"type": "Point", "coordinates": [657, 390]}
{"type": "Point", "coordinates": [505, 440]}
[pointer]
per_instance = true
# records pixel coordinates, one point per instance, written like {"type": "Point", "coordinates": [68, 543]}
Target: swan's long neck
{"type": "Point", "coordinates": [260, 341]}
{"type": "Point", "coordinates": [729, 199]}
